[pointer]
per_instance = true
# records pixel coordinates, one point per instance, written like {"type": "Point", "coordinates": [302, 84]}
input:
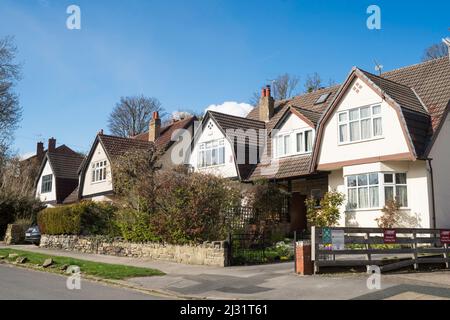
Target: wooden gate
{"type": "Point", "coordinates": [351, 247]}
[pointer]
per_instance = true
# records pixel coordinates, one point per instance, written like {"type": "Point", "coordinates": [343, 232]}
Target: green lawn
{"type": "Point", "coordinates": [101, 270]}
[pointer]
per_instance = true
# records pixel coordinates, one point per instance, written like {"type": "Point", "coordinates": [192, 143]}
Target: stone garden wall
{"type": "Point", "coordinates": [208, 253]}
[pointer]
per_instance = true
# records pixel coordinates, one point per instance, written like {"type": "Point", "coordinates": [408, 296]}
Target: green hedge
{"type": "Point", "coordinates": [85, 218]}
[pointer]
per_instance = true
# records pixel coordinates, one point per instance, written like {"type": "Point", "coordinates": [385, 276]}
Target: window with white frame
{"type": "Point", "coordinates": [99, 171]}
{"type": "Point", "coordinates": [395, 188]}
{"type": "Point", "coordinates": [360, 124]}
{"type": "Point", "coordinates": [293, 143]}
{"type": "Point", "coordinates": [372, 190]}
{"type": "Point", "coordinates": [211, 153]}
{"type": "Point", "coordinates": [47, 182]}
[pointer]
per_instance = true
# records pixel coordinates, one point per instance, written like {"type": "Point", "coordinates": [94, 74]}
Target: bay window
{"type": "Point", "coordinates": [372, 190]}
{"type": "Point", "coordinates": [360, 124]}
{"type": "Point", "coordinates": [211, 153]}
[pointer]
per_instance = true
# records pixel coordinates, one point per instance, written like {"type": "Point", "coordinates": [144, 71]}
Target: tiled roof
{"type": "Point", "coordinates": [118, 146]}
{"type": "Point", "coordinates": [288, 167]}
{"type": "Point", "coordinates": [237, 127]}
{"type": "Point", "coordinates": [402, 94]}
{"type": "Point", "coordinates": [165, 138]}
{"type": "Point", "coordinates": [65, 166]}
{"type": "Point", "coordinates": [72, 197]}
{"type": "Point", "coordinates": [431, 81]}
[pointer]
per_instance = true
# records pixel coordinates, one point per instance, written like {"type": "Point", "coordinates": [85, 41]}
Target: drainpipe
{"type": "Point", "coordinates": [433, 201]}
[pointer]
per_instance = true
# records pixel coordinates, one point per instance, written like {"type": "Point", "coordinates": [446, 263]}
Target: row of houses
{"type": "Point", "coordinates": [373, 138]}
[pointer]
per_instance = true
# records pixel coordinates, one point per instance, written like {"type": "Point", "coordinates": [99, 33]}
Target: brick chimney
{"type": "Point", "coordinates": [154, 127]}
{"type": "Point", "coordinates": [266, 105]}
{"type": "Point", "coordinates": [51, 144]}
{"type": "Point", "coordinates": [40, 150]}
{"type": "Point", "coordinates": [447, 42]}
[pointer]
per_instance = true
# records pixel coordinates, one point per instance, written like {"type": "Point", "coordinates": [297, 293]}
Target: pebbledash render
{"type": "Point", "coordinates": [373, 138]}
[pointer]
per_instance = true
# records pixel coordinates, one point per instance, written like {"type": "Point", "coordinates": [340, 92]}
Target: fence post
{"type": "Point", "coordinates": [313, 249]}
{"type": "Point", "coordinates": [446, 256]}
{"type": "Point", "coordinates": [295, 251]}
{"type": "Point", "coordinates": [415, 256]}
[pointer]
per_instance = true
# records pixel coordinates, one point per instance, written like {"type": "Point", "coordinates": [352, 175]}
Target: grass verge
{"type": "Point", "coordinates": [96, 269]}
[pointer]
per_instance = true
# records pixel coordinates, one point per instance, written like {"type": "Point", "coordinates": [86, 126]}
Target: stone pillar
{"type": "Point", "coordinates": [303, 262]}
{"type": "Point", "coordinates": [15, 234]}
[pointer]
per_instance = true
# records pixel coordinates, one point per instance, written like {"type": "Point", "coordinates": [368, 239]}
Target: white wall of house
{"type": "Point", "coordinates": [391, 142]}
{"type": "Point", "coordinates": [211, 132]}
{"type": "Point", "coordinates": [49, 196]}
{"type": "Point", "coordinates": [440, 153]}
{"type": "Point", "coordinates": [92, 188]}
{"type": "Point", "coordinates": [342, 159]}
{"type": "Point", "coordinates": [291, 126]}
{"type": "Point", "coordinates": [417, 214]}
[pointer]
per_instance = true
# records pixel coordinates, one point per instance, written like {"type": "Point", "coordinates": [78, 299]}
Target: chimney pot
{"type": "Point", "coordinates": [51, 144]}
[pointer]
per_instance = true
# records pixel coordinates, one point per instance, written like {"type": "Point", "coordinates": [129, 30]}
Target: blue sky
{"type": "Point", "coordinates": [191, 54]}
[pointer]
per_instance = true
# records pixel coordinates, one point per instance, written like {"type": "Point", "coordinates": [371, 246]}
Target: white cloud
{"type": "Point", "coordinates": [177, 115]}
{"type": "Point", "coordinates": [232, 107]}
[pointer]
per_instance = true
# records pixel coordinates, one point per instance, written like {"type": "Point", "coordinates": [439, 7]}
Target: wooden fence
{"type": "Point", "coordinates": [388, 248]}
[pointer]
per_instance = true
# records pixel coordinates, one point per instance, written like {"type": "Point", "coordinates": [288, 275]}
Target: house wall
{"type": "Point", "coordinates": [51, 196]}
{"type": "Point", "coordinates": [392, 142]}
{"type": "Point", "coordinates": [227, 170]}
{"type": "Point", "coordinates": [94, 188]}
{"type": "Point", "coordinates": [440, 153]}
{"type": "Point", "coordinates": [293, 123]}
{"type": "Point", "coordinates": [416, 215]}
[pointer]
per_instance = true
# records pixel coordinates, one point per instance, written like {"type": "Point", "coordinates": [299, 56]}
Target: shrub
{"type": "Point", "coordinates": [390, 216]}
{"type": "Point", "coordinates": [189, 207]}
{"type": "Point", "coordinates": [87, 218]}
{"type": "Point", "coordinates": [327, 215]}
{"type": "Point", "coordinates": [135, 226]}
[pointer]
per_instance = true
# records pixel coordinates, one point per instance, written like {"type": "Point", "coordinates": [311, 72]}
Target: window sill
{"type": "Point", "coordinates": [211, 167]}
{"type": "Point", "coordinates": [293, 155]}
{"type": "Point", "coordinates": [98, 182]}
{"type": "Point", "coordinates": [373, 209]}
{"type": "Point", "coordinates": [360, 141]}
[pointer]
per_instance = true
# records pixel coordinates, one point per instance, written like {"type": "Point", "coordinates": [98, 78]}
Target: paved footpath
{"type": "Point", "coordinates": [274, 281]}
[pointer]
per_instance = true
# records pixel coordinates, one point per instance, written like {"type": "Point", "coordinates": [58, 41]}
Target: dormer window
{"type": "Point", "coordinates": [293, 143]}
{"type": "Point", "coordinates": [360, 124]}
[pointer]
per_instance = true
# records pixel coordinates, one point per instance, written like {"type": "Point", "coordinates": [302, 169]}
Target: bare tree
{"type": "Point", "coordinates": [283, 87]}
{"type": "Point", "coordinates": [435, 51]}
{"type": "Point", "coordinates": [10, 110]}
{"type": "Point", "coordinates": [313, 82]}
{"type": "Point", "coordinates": [131, 115]}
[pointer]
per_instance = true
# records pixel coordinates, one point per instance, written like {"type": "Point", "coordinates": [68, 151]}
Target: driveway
{"type": "Point", "coordinates": [275, 281]}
